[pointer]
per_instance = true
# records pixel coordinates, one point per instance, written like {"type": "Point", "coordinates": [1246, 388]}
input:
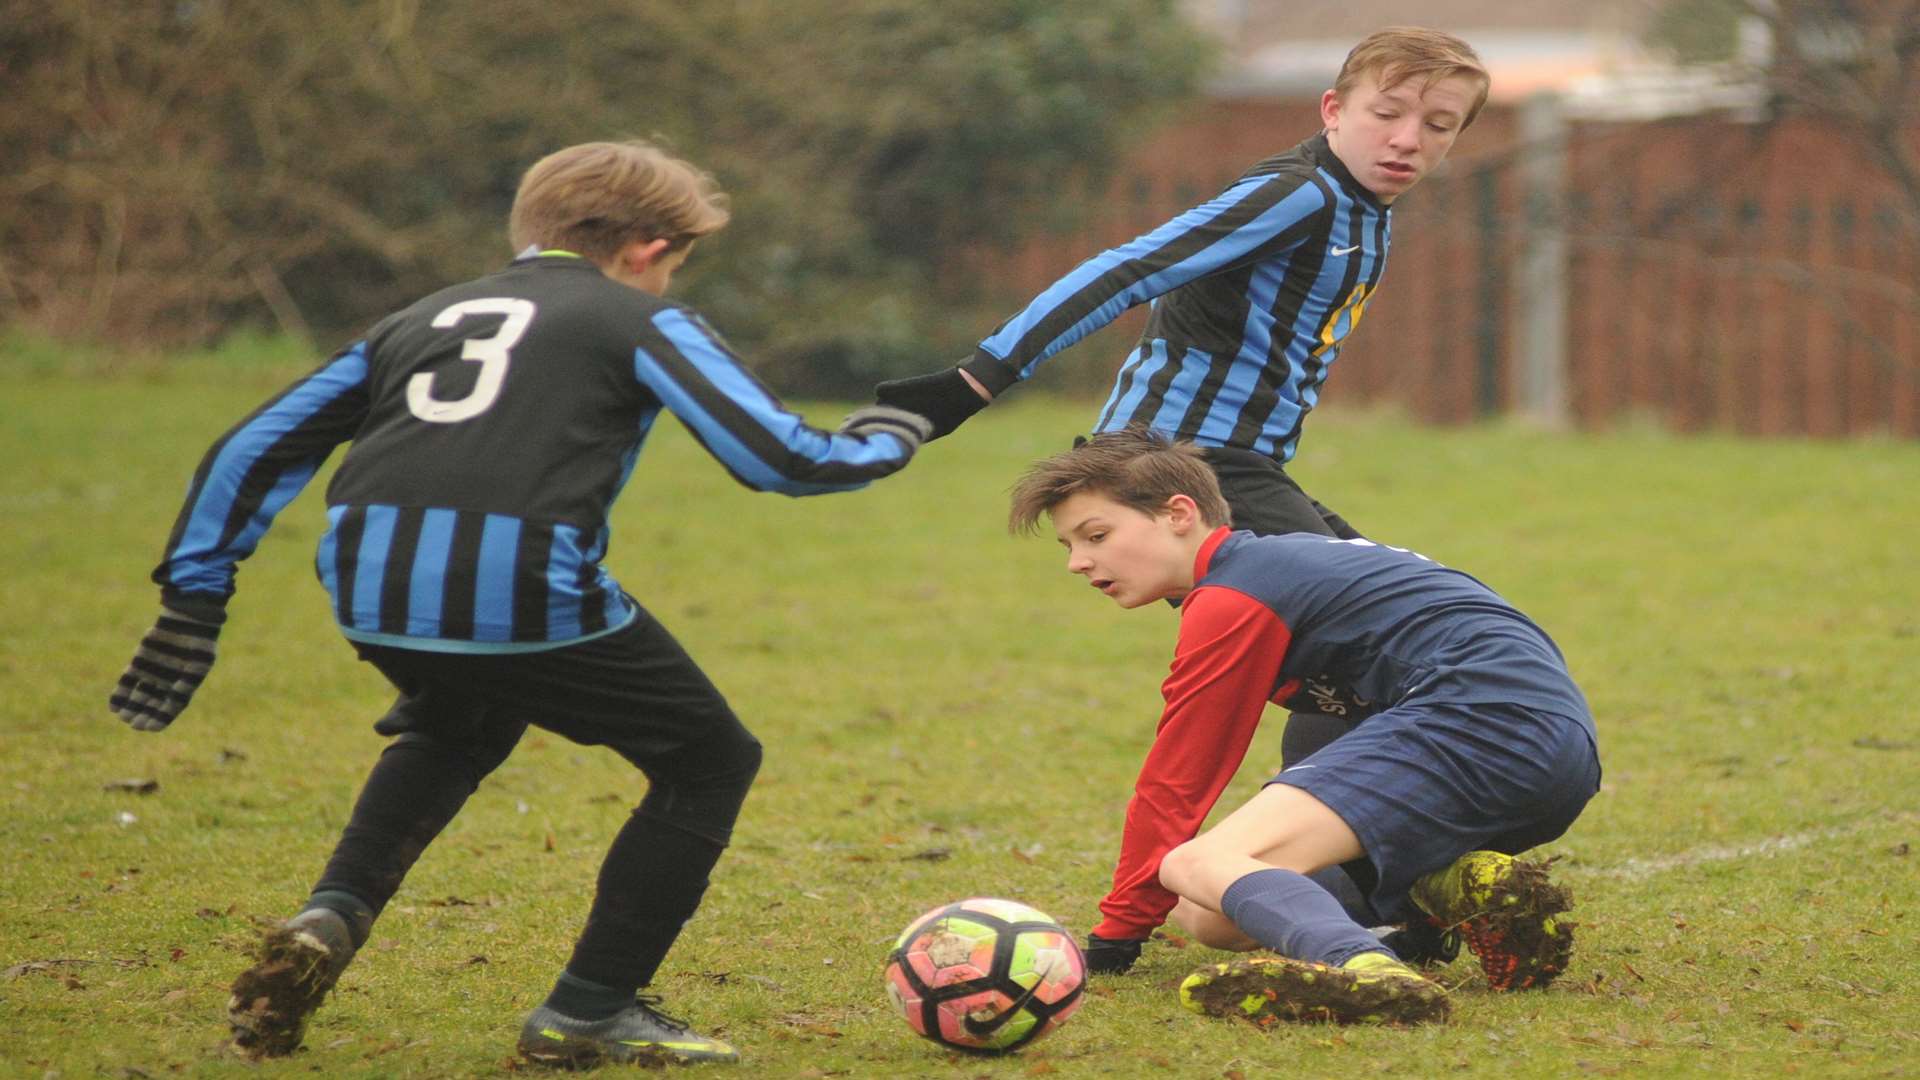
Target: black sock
{"type": "Point", "coordinates": [586, 1000]}
{"type": "Point", "coordinates": [357, 912]}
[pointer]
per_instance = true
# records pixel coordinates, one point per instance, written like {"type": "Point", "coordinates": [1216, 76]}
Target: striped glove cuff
{"type": "Point", "coordinates": [166, 669]}
{"type": "Point", "coordinates": [909, 427]}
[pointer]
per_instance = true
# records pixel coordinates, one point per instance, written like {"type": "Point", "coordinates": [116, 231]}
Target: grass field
{"type": "Point", "coordinates": [948, 713]}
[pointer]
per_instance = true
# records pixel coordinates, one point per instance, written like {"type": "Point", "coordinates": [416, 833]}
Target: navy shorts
{"type": "Point", "coordinates": [1423, 783]}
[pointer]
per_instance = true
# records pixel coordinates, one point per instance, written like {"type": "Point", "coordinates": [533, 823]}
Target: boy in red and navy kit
{"type": "Point", "coordinates": [1482, 748]}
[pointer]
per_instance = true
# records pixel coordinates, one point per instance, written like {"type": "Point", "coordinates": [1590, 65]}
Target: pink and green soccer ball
{"type": "Point", "coordinates": [985, 975]}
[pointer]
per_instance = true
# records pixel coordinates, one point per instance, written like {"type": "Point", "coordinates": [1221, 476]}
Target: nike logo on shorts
{"type": "Point", "coordinates": [1345, 250]}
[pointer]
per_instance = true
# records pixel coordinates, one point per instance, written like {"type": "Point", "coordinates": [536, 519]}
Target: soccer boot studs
{"type": "Point", "coordinates": [637, 1035]}
{"type": "Point", "coordinates": [1512, 917]}
{"type": "Point", "coordinates": [1371, 989]}
{"type": "Point", "coordinates": [296, 964]}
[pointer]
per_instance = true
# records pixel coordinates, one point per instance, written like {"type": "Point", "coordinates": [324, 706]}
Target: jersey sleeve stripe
{"type": "Point", "coordinates": [743, 426]}
{"type": "Point", "coordinates": [256, 469]}
{"type": "Point", "coordinates": [1257, 218]}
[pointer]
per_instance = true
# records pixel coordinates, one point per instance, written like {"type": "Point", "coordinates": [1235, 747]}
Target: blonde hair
{"type": "Point", "coordinates": [595, 198]}
{"type": "Point", "coordinates": [1137, 467]}
{"type": "Point", "coordinates": [1399, 53]}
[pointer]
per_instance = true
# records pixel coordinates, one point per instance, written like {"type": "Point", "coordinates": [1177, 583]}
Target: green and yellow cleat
{"type": "Point", "coordinates": [1511, 916]}
{"type": "Point", "coordinates": [1372, 988]}
{"type": "Point", "coordinates": [637, 1035]}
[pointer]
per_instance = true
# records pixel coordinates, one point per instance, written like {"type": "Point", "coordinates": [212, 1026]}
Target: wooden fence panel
{"type": "Point", "coordinates": [1719, 275]}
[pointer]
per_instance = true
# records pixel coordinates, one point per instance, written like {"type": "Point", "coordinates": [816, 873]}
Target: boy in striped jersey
{"type": "Point", "coordinates": [493, 424]}
{"type": "Point", "coordinates": [1482, 748]}
{"type": "Point", "coordinates": [1252, 294]}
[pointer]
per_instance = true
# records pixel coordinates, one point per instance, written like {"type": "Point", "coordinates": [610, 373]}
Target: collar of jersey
{"type": "Point", "coordinates": [1203, 559]}
{"type": "Point", "coordinates": [533, 252]}
{"type": "Point", "coordinates": [1330, 161]}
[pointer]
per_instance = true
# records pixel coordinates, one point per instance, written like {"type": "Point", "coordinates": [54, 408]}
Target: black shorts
{"type": "Point", "coordinates": [635, 691]}
{"type": "Point", "coordinates": [1265, 500]}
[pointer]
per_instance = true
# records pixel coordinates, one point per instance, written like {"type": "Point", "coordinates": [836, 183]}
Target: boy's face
{"type": "Point", "coordinates": [1390, 138]}
{"type": "Point", "coordinates": [1133, 557]}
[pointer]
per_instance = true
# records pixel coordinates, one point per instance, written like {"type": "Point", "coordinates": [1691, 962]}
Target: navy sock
{"type": "Point", "coordinates": [583, 999]}
{"type": "Point", "coordinates": [1337, 881]}
{"type": "Point", "coordinates": [1294, 917]}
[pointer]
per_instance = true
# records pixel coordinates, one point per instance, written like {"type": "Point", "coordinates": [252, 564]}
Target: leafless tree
{"type": "Point", "coordinates": [1856, 62]}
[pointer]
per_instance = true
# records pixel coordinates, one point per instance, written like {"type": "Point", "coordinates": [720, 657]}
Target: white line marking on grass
{"type": "Point", "coordinates": [1636, 869]}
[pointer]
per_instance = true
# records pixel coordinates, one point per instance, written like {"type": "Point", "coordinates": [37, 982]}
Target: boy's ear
{"type": "Point", "coordinates": [1330, 109]}
{"type": "Point", "coordinates": [637, 256]}
{"type": "Point", "coordinates": [1182, 512]}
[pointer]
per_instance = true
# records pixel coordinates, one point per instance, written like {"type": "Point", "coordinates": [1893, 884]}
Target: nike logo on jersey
{"type": "Point", "coordinates": [1346, 250]}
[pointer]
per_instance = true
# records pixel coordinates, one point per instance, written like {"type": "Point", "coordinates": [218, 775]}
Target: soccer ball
{"type": "Point", "coordinates": [985, 975]}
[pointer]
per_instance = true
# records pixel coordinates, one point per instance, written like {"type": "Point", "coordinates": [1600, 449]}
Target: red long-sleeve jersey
{"type": "Point", "coordinates": [1226, 667]}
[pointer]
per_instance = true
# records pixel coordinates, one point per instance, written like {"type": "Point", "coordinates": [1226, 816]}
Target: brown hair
{"type": "Point", "coordinates": [1399, 53]}
{"type": "Point", "coordinates": [1137, 467]}
{"type": "Point", "coordinates": [595, 198]}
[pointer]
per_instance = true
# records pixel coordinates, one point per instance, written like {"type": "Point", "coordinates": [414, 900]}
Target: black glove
{"type": "Point", "coordinates": [944, 397]}
{"type": "Point", "coordinates": [909, 427]}
{"type": "Point", "coordinates": [1111, 956]}
{"type": "Point", "coordinates": [167, 667]}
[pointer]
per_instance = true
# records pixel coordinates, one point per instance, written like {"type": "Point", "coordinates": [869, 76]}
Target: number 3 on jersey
{"type": "Point", "coordinates": [491, 352]}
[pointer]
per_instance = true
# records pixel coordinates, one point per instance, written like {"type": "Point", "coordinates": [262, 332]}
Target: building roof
{"type": "Point", "coordinates": [1251, 25]}
{"type": "Point", "coordinates": [1589, 52]}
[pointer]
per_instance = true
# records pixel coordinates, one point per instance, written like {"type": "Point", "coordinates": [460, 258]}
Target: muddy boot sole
{"type": "Point", "coordinates": [1524, 941]}
{"type": "Point", "coordinates": [1270, 989]}
{"type": "Point", "coordinates": [272, 999]}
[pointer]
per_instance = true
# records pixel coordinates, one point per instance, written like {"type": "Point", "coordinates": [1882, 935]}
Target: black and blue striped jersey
{"type": "Point", "coordinates": [493, 424]}
{"type": "Point", "coordinates": [1252, 294]}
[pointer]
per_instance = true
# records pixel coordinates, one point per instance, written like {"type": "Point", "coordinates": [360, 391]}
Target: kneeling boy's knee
{"type": "Point", "coordinates": [1179, 866]}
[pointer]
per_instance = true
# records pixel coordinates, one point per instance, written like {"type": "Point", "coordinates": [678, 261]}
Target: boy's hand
{"type": "Point", "coordinates": [1111, 956]}
{"type": "Point", "coordinates": [166, 668]}
{"type": "Point", "coordinates": [909, 427]}
{"type": "Point", "coordinates": [946, 398]}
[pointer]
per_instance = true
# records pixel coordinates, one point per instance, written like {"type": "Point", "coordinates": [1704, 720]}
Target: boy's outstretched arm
{"type": "Point", "coordinates": [1257, 218]}
{"type": "Point", "coordinates": [746, 428]}
{"type": "Point", "coordinates": [243, 481]}
{"type": "Point", "coordinates": [1224, 669]}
